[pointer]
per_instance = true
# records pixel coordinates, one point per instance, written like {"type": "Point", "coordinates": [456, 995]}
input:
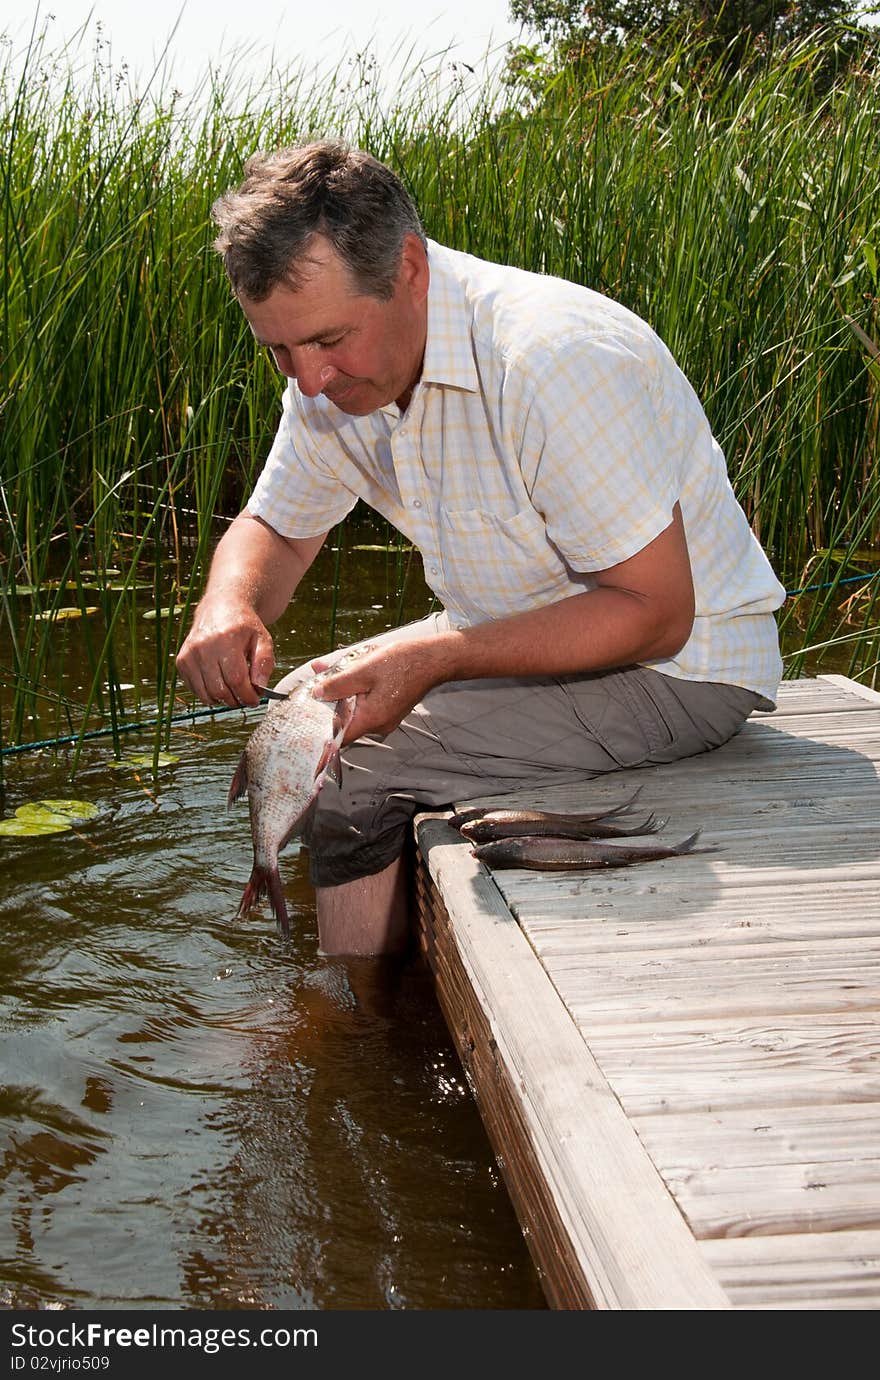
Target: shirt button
{"type": "Point", "coordinates": [417, 503]}
{"type": "Point", "coordinates": [434, 570]}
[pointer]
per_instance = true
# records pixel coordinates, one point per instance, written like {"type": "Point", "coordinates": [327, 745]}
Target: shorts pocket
{"type": "Point", "coordinates": [621, 714]}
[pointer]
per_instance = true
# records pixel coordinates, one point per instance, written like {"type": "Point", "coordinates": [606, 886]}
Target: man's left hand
{"type": "Point", "coordinates": [387, 681]}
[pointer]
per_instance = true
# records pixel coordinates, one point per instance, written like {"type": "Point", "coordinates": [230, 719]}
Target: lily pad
{"type": "Point", "coordinates": [389, 546]}
{"type": "Point", "coordinates": [60, 812]}
{"type": "Point", "coordinates": [52, 615]}
{"type": "Point", "coordinates": [164, 613]}
{"type": "Point", "coordinates": [27, 828]}
{"type": "Point", "coordinates": [145, 759]}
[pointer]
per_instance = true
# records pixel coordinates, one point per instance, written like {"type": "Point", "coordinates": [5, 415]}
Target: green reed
{"type": "Point", "coordinates": [740, 216]}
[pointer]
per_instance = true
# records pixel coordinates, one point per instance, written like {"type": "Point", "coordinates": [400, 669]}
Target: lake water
{"type": "Point", "coordinates": [196, 1114]}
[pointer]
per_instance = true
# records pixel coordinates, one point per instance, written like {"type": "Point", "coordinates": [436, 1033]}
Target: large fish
{"type": "Point", "coordinates": [542, 854]}
{"type": "Point", "coordinates": [288, 758]}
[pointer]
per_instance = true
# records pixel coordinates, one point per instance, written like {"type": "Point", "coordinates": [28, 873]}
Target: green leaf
{"type": "Point", "coordinates": [57, 615]}
{"type": "Point", "coordinates": [62, 812]}
{"type": "Point", "coordinates": [145, 759]}
{"type": "Point", "coordinates": [27, 828]}
{"type": "Point", "coordinates": [164, 613]}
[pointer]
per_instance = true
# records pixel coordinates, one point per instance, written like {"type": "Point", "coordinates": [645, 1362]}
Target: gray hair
{"type": "Point", "coordinates": [323, 187]}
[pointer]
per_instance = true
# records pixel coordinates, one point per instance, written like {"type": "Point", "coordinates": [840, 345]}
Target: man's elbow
{"type": "Point", "coordinates": [673, 633]}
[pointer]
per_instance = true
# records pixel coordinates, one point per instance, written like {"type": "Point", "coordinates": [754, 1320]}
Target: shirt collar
{"type": "Point", "coordinates": [449, 356]}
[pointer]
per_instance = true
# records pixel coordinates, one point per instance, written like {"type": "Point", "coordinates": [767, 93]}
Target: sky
{"type": "Point", "coordinates": [300, 31]}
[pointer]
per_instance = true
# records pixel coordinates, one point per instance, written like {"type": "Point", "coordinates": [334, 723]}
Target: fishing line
{"type": "Point", "coordinates": [831, 584]}
{"type": "Point", "coordinates": [125, 728]}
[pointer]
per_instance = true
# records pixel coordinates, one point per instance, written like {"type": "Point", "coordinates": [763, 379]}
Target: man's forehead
{"type": "Point", "coordinates": [319, 261]}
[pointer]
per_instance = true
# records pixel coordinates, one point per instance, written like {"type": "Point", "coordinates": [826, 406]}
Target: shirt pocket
{"type": "Point", "coordinates": [500, 565]}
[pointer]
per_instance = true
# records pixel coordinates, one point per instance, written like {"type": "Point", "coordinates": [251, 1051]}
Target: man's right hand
{"type": "Point", "coordinates": [227, 652]}
{"type": "Point", "coordinates": [252, 579]}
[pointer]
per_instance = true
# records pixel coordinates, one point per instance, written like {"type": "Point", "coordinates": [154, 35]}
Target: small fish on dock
{"type": "Point", "coordinates": [289, 757]}
{"type": "Point", "coordinates": [506, 824]}
{"type": "Point", "coordinates": [475, 812]}
{"type": "Point", "coordinates": [547, 854]}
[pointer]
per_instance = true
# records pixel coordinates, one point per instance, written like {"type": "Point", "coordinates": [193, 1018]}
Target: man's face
{"type": "Point", "coordinates": [359, 352]}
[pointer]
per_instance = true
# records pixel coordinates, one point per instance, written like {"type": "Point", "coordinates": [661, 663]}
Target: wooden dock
{"type": "Point", "coordinates": [678, 1063]}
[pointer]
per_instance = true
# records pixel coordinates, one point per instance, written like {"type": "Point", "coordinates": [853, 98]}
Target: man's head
{"type": "Point", "coordinates": [356, 204]}
{"type": "Point", "coordinates": [329, 264]}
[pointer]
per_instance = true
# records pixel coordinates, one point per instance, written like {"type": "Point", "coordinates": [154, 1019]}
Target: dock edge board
{"type": "Point", "coordinates": [604, 1231]}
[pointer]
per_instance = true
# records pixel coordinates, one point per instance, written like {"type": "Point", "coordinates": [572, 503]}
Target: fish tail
{"type": "Point", "coordinates": [279, 905]}
{"type": "Point", "coordinates": [266, 881]}
{"type": "Point", "coordinates": [626, 805]}
{"type": "Point", "coordinates": [687, 844]}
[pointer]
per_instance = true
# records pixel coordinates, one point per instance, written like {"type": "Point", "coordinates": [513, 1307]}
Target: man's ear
{"type": "Point", "coordinates": [414, 272]}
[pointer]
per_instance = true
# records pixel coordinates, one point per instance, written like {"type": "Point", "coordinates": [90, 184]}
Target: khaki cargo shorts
{"type": "Point", "coordinates": [485, 737]}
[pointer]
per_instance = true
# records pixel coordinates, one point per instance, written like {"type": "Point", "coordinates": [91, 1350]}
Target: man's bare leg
{"type": "Point", "coordinates": [369, 916]}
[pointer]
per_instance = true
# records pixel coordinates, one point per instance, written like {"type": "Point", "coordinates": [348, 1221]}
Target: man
{"type": "Point", "coordinates": [605, 602]}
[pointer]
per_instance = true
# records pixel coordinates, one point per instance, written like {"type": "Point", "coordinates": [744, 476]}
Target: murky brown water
{"type": "Point", "coordinates": [196, 1114]}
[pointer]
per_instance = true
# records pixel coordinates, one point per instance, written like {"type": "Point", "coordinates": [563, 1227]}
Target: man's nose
{"type": "Point", "coordinates": [312, 375]}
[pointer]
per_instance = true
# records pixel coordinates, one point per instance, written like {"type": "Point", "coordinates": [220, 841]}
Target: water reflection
{"type": "Point", "coordinates": [198, 1115]}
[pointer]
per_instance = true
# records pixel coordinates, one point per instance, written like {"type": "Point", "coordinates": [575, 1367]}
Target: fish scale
{"type": "Point", "coordinates": [289, 757]}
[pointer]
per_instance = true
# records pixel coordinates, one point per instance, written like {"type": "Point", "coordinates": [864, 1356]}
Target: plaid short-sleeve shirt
{"type": "Point", "coordinates": [549, 437]}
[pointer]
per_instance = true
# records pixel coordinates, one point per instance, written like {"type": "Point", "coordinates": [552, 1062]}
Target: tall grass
{"type": "Point", "coordinates": [739, 216]}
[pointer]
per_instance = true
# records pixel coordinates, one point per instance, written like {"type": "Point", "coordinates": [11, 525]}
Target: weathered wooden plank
{"type": "Point", "coordinates": [852, 687]}
{"type": "Point", "coordinates": [757, 1136]}
{"type": "Point", "coordinates": [625, 919]}
{"type": "Point", "coordinates": [825, 725]}
{"type": "Point", "coordinates": [770, 1092]}
{"type": "Point", "coordinates": [635, 1249]}
{"type": "Point", "coordinates": [811, 978]}
{"type": "Point", "coordinates": [792, 1199]}
{"type": "Point", "coordinates": [815, 697]}
{"type": "Point", "coordinates": [818, 1270]}
{"type": "Point", "coordinates": [760, 1065]}
{"type": "Point", "coordinates": [675, 879]}
{"type": "Point", "coordinates": [773, 773]}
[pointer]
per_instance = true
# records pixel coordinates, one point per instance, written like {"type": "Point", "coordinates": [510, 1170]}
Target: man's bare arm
{"type": "Point", "coordinates": [641, 610]}
{"type": "Point", "coordinates": [253, 576]}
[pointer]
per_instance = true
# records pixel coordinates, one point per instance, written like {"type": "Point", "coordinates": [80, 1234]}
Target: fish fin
{"type": "Point", "coordinates": [343, 713]}
{"type": "Point", "coordinates": [265, 880]}
{"type": "Point", "coordinates": [687, 844]}
{"type": "Point", "coordinates": [333, 768]}
{"type": "Point", "coordinates": [329, 762]}
{"type": "Point", "coordinates": [239, 782]}
{"type": "Point", "coordinates": [300, 824]}
{"type": "Point", "coordinates": [254, 891]}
